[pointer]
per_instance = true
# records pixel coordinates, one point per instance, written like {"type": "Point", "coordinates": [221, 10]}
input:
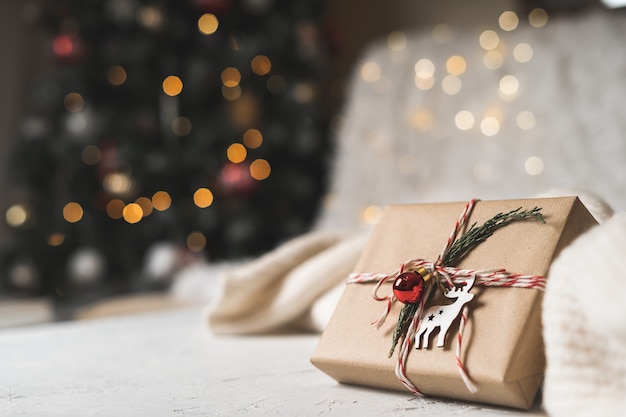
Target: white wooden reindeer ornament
{"type": "Point", "coordinates": [442, 316]}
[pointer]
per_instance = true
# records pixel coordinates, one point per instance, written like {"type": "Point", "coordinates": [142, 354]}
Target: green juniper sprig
{"type": "Point", "coordinates": [459, 249]}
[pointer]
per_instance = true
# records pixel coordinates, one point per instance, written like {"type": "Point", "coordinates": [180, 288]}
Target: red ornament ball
{"type": "Point", "coordinates": [409, 287]}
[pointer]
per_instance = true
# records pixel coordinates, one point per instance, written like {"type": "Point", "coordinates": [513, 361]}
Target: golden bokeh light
{"type": "Point", "coordinates": [456, 65]}
{"type": "Point", "coordinates": [208, 24]}
{"type": "Point", "coordinates": [150, 17]}
{"type": "Point", "coordinates": [489, 40]}
{"type": "Point", "coordinates": [231, 93]}
{"type": "Point", "coordinates": [73, 102]}
{"type": "Point", "coordinates": [538, 18]}
{"type": "Point", "coordinates": [508, 21]}
{"type": "Point", "coordinates": [116, 75]}
{"type": "Point", "coordinates": [231, 77]}
{"type": "Point", "coordinates": [533, 165]}
{"type": "Point", "coordinates": [196, 242]}
{"type": "Point", "coordinates": [115, 208]}
{"type": "Point", "coordinates": [16, 215]}
{"type": "Point", "coordinates": [493, 60]}
{"type": "Point", "coordinates": [424, 68]}
{"type": "Point", "coordinates": [72, 212]}
{"type": "Point", "coordinates": [203, 197]}
{"type": "Point", "coordinates": [260, 169]}
{"type": "Point", "coordinates": [422, 119]}
{"type": "Point", "coordinates": [509, 85]}
{"type": "Point", "coordinates": [132, 213]}
{"type": "Point", "coordinates": [523, 52]}
{"type": "Point", "coordinates": [161, 200]}
{"type": "Point", "coordinates": [172, 86]}
{"type": "Point", "coordinates": [117, 183]}
{"type": "Point", "coordinates": [396, 41]}
{"type": "Point", "coordinates": [181, 126]}
{"type": "Point", "coordinates": [372, 214]}
{"type": "Point", "coordinates": [303, 93]}
{"type": "Point", "coordinates": [424, 83]}
{"type": "Point", "coordinates": [252, 138]}
{"type": "Point", "coordinates": [525, 120]}
{"type": "Point", "coordinates": [261, 65]}
{"type": "Point", "coordinates": [370, 72]}
{"type": "Point", "coordinates": [451, 84]}
{"type": "Point", "coordinates": [464, 120]}
{"type": "Point", "coordinates": [146, 205]}
{"type": "Point", "coordinates": [236, 153]}
{"type": "Point", "coordinates": [91, 155]}
{"type": "Point", "coordinates": [490, 126]}
{"type": "Point", "coordinates": [56, 239]}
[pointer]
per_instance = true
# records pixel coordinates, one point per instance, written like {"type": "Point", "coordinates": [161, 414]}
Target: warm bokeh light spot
{"type": "Point", "coordinates": [231, 93]}
{"type": "Point", "coordinates": [533, 165]}
{"type": "Point", "coordinates": [161, 200]}
{"type": "Point", "coordinates": [146, 205]}
{"type": "Point", "coordinates": [208, 24]}
{"type": "Point", "coordinates": [236, 153]}
{"type": "Point", "coordinates": [172, 86]}
{"type": "Point", "coordinates": [464, 120]}
{"type": "Point", "coordinates": [372, 214]}
{"type": "Point", "coordinates": [132, 213]}
{"type": "Point", "coordinates": [370, 71]}
{"type": "Point", "coordinates": [72, 212]}
{"type": "Point", "coordinates": [91, 155]}
{"type": "Point", "coordinates": [252, 138]}
{"type": "Point", "coordinates": [490, 126]}
{"type": "Point", "coordinates": [493, 60]}
{"type": "Point", "coordinates": [489, 40]}
{"type": "Point", "coordinates": [451, 84]}
{"type": "Point", "coordinates": [117, 183]}
{"type": "Point", "coordinates": [260, 169]}
{"type": "Point", "coordinates": [231, 77]}
{"type": "Point", "coordinates": [181, 126]}
{"type": "Point", "coordinates": [456, 65]}
{"type": "Point", "coordinates": [56, 239]}
{"type": "Point", "coordinates": [116, 75]}
{"type": "Point", "coordinates": [525, 120]}
{"type": "Point", "coordinates": [196, 242]}
{"type": "Point", "coordinates": [261, 65]}
{"type": "Point", "coordinates": [523, 52]}
{"type": "Point", "coordinates": [509, 85]}
{"type": "Point", "coordinates": [115, 208]}
{"type": "Point", "coordinates": [73, 102]}
{"type": "Point", "coordinates": [538, 18]}
{"type": "Point", "coordinates": [203, 197]}
{"type": "Point", "coordinates": [508, 21]}
{"type": "Point", "coordinates": [16, 215]}
{"type": "Point", "coordinates": [396, 41]}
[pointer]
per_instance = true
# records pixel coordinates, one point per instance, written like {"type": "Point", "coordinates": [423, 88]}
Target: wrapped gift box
{"type": "Point", "coordinates": [502, 341]}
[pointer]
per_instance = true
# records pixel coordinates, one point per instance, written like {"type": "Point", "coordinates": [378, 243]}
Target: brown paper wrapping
{"type": "Point", "coordinates": [502, 342]}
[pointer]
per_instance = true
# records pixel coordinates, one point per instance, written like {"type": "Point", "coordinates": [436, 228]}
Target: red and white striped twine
{"type": "Point", "coordinates": [452, 276]}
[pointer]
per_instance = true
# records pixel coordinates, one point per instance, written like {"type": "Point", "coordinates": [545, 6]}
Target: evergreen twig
{"type": "Point", "coordinates": [459, 249]}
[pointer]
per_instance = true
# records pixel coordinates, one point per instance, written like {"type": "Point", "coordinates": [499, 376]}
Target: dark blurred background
{"type": "Point", "coordinates": [140, 135]}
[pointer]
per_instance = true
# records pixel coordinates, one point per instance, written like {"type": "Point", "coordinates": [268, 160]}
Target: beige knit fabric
{"type": "Point", "coordinates": [584, 319]}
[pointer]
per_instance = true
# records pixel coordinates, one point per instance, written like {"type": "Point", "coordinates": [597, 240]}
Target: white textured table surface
{"type": "Point", "coordinates": [167, 364]}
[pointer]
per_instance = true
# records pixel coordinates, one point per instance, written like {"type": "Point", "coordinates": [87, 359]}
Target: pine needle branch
{"type": "Point", "coordinates": [459, 249]}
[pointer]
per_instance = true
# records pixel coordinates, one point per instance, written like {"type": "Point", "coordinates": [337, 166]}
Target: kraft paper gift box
{"type": "Point", "coordinates": [502, 340]}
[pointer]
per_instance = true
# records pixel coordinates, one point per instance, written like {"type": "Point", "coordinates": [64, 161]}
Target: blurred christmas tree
{"type": "Point", "coordinates": [191, 124]}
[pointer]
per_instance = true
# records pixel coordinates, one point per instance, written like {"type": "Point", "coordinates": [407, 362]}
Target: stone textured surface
{"type": "Point", "coordinates": [165, 363]}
